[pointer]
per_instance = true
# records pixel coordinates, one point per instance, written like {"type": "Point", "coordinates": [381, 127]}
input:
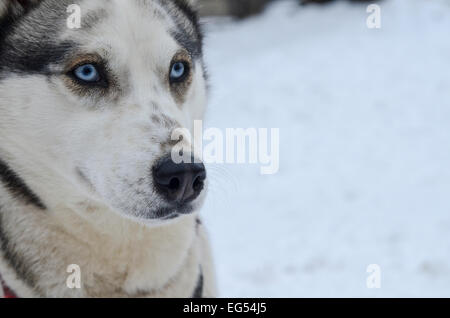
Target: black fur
{"type": "Point", "coordinates": [35, 60]}
{"type": "Point", "coordinates": [190, 44]}
{"type": "Point", "coordinates": [15, 261]}
{"type": "Point", "coordinates": [198, 291]}
{"type": "Point", "coordinates": [192, 15]}
{"type": "Point", "coordinates": [14, 12]}
{"type": "Point", "coordinates": [33, 52]}
{"type": "Point", "coordinates": [192, 41]}
{"type": "Point", "coordinates": [18, 187]}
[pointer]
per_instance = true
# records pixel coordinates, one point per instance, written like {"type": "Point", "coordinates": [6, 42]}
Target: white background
{"type": "Point", "coordinates": [364, 117]}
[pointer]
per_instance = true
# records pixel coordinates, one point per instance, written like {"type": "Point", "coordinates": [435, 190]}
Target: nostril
{"type": "Point", "coordinates": [174, 184]}
{"type": "Point", "coordinates": [198, 184]}
{"type": "Point", "coordinates": [199, 181]}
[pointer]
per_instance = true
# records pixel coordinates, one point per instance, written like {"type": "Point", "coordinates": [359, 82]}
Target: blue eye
{"type": "Point", "coordinates": [87, 73]}
{"type": "Point", "coordinates": [178, 71]}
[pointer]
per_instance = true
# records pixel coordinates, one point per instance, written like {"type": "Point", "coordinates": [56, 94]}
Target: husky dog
{"type": "Point", "coordinates": [86, 176]}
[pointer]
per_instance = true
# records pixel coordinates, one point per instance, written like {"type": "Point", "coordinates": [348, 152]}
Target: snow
{"type": "Point", "coordinates": [364, 118]}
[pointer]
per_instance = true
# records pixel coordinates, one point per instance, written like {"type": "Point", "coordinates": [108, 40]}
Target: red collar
{"type": "Point", "coordinates": [7, 292]}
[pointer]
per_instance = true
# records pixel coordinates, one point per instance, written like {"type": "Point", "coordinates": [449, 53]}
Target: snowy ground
{"type": "Point", "coordinates": [365, 151]}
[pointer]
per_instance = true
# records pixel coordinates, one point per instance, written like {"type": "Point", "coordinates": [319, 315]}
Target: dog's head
{"type": "Point", "coordinates": [90, 92]}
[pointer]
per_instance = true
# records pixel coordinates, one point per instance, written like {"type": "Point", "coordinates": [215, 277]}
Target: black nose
{"type": "Point", "coordinates": [180, 183]}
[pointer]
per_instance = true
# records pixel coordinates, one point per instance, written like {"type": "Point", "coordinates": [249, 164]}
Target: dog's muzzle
{"type": "Point", "coordinates": [181, 183]}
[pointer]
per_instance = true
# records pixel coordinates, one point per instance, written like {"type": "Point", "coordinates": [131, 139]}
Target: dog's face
{"type": "Point", "coordinates": [96, 106]}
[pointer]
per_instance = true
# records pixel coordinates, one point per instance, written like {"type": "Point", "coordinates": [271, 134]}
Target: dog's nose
{"type": "Point", "coordinates": [180, 183]}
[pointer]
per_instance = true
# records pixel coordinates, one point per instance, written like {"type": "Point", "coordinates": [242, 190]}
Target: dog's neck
{"type": "Point", "coordinates": [117, 257]}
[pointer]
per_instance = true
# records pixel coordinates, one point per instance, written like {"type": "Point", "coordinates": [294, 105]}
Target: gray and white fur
{"type": "Point", "coordinates": [77, 161]}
